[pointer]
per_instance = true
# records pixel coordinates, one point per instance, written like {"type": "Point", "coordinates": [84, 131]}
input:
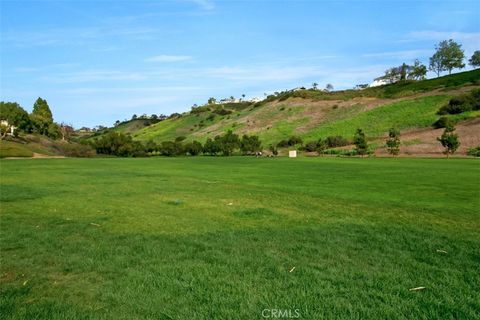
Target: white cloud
{"type": "Point", "coordinates": [95, 75]}
{"type": "Point", "coordinates": [205, 4]}
{"type": "Point", "coordinates": [442, 35]}
{"type": "Point", "coordinates": [46, 67]}
{"type": "Point", "coordinates": [469, 40]}
{"type": "Point", "coordinates": [135, 103]}
{"type": "Point", "coordinates": [402, 54]}
{"type": "Point", "coordinates": [73, 36]}
{"type": "Point", "coordinates": [157, 89]}
{"type": "Point", "coordinates": [264, 73]}
{"type": "Point", "coordinates": [168, 58]}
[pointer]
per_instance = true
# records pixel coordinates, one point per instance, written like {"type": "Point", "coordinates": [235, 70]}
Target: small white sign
{"type": "Point", "coordinates": [292, 153]}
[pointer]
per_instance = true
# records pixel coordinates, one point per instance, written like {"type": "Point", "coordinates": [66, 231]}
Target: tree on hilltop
{"type": "Point", "coordinates": [42, 119]}
{"type": "Point", "coordinates": [475, 59]}
{"type": "Point", "coordinates": [448, 56]}
{"type": "Point", "coordinates": [418, 71]}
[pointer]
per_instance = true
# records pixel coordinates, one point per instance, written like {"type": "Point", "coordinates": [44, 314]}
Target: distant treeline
{"type": "Point", "coordinates": [119, 144]}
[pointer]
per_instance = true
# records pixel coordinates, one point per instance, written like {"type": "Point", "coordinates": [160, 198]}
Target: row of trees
{"type": "Point", "coordinates": [39, 121]}
{"type": "Point", "coordinates": [449, 140]}
{"type": "Point", "coordinates": [417, 71]}
{"type": "Point", "coordinates": [119, 144]}
{"type": "Point", "coordinates": [448, 55]}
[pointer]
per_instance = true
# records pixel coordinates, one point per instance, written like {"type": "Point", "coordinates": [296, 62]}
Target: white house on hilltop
{"type": "Point", "coordinates": [8, 127]}
{"type": "Point", "coordinates": [379, 82]}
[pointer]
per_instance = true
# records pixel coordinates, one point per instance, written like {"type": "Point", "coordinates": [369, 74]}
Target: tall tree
{"type": "Point", "coordinates": [250, 144]}
{"type": "Point", "coordinates": [393, 141]}
{"type": "Point", "coordinates": [360, 142]}
{"type": "Point", "coordinates": [228, 142]}
{"type": "Point", "coordinates": [418, 71]}
{"type": "Point", "coordinates": [403, 71]}
{"type": "Point", "coordinates": [448, 56]}
{"type": "Point", "coordinates": [391, 75]}
{"type": "Point", "coordinates": [211, 147]}
{"type": "Point", "coordinates": [474, 61]}
{"type": "Point", "coordinates": [15, 115]}
{"type": "Point", "coordinates": [41, 109]}
{"type": "Point", "coordinates": [449, 140]}
{"type": "Point", "coordinates": [435, 64]}
{"type": "Point", "coordinates": [42, 119]}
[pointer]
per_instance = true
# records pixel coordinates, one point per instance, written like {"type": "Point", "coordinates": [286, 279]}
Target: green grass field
{"type": "Point", "coordinates": [226, 238]}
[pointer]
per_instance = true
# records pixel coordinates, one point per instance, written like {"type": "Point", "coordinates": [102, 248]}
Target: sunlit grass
{"type": "Point", "coordinates": [216, 238]}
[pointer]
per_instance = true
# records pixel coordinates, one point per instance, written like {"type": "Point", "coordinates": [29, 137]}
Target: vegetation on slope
{"type": "Point", "coordinates": [12, 149]}
{"type": "Point", "coordinates": [315, 114]}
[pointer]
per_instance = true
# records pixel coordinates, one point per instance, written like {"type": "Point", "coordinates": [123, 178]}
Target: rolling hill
{"type": "Point", "coordinates": [312, 114]}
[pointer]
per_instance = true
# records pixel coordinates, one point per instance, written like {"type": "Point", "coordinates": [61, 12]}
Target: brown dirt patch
{"type": "Point", "coordinates": [425, 143]}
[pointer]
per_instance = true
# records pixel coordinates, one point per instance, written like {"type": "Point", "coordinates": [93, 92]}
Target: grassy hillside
{"type": "Point", "coordinates": [315, 114]}
{"type": "Point", "coordinates": [225, 238]}
{"type": "Point", "coordinates": [134, 125]}
{"type": "Point", "coordinates": [12, 149]}
{"type": "Point", "coordinates": [28, 145]}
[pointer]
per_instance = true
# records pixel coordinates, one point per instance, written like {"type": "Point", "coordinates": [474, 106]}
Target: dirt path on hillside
{"type": "Point", "coordinates": [36, 156]}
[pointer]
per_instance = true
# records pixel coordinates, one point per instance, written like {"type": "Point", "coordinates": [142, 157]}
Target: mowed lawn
{"type": "Point", "coordinates": [227, 238]}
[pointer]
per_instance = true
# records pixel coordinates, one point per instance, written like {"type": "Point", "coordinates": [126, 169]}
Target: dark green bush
{"type": "Point", "coordinates": [293, 140]}
{"type": "Point", "coordinates": [443, 122]}
{"type": "Point", "coordinates": [282, 144]}
{"type": "Point", "coordinates": [462, 103]}
{"type": "Point", "coordinates": [336, 141]}
{"type": "Point", "coordinates": [74, 149]}
{"type": "Point", "coordinates": [222, 112]}
{"type": "Point", "coordinates": [474, 152]}
{"type": "Point", "coordinates": [118, 144]}
{"type": "Point", "coordinates": [193, 148]}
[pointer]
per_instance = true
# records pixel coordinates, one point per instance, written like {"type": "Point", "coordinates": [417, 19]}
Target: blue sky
{"type": "Point", "coordinates": [100, 61]}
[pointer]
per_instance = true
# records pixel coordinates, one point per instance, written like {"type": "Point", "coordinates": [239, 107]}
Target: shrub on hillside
{"type": "Point", "coordinates": [462, 103]}
{"type": "Point", "coordinates": [72, 149]}
{"type": "Point", "coordinates": [336, 141]}
{"type": "Point", "coordinates": [443, 122]}
{"type": "Point", "coordinates": [222, 112]}
{"type": "Point", "coordinates": [474, 152]}
{"type": "Point", "coordinates": [341, 152]}
{"type": "Point", "coordinates": [198, 110]}
{"type": "Point", "coordinates": [315, 146]}
{"type": "Point", "coordinates": [282, 144]}
{"type": "Point", "coordinates": [293, 140]}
